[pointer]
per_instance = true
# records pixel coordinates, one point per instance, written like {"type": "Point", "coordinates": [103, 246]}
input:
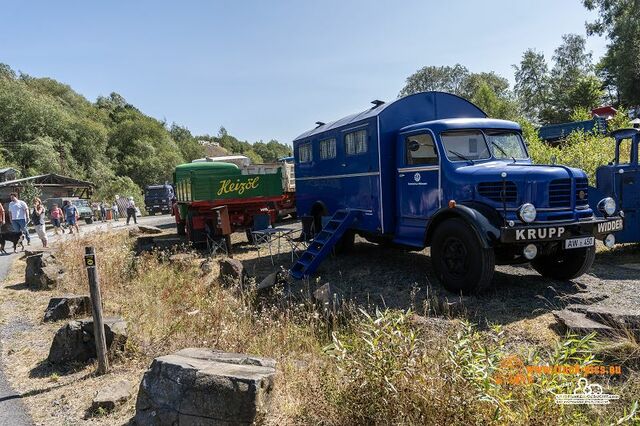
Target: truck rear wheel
{"type": "Point", "coordinates": [459, 260]}
{"type": "Point", "coordinates": [566, 264]}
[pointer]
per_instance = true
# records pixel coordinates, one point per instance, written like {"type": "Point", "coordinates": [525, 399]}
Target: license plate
{"type": "Point", "coordinates": [579, 242]}
{"type": "Point", "coordinates": [611, 226]}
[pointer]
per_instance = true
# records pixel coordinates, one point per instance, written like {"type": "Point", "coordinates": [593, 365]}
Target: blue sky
{"type": "Point", "coordinates": [270, 69]}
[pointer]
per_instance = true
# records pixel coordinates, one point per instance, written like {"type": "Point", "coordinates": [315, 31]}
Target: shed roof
{"type": "Point", "coordinates": [50, 179]}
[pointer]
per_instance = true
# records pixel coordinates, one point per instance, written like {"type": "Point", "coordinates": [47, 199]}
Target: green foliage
{"type": "Point", "coordinates": [258, 152]}
{"type": "Point", "coordinates": [487, 90]}
{"type": "Point", "coordinates": [122, 186]}
{"type": "Point", "coordinates": [620, 21]}
{"type": "Point", "coordinates": [29, 193]}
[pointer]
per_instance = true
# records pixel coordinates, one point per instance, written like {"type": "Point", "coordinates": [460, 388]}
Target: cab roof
{"type": "Point", "coordinates": [462, 123]}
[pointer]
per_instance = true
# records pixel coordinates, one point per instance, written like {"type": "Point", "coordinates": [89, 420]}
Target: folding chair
{"type": "Point", "coordinates": [260, 234]}
{"type": "Point", "coordinates": [301, 243]}
{"type": "Point", "coordinates": [215, 242]}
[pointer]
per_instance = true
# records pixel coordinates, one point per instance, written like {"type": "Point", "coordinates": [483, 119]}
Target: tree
{"type": "Point", "coordinates": [572, 64]}
{"type": "Point", "coordinates": [188, 145]}
{"type": "Point", "coordinates": [620, 21]}
{"type": "Point", "coordinates": [487, 90]}
{"type": "Point", "coordinates": [445, 79]}
{"type": "Point", "coordinates": [532, 84]}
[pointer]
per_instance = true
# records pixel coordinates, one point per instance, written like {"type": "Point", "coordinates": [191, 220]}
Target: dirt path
{"type": "Point", "coordinates": [12, 412]}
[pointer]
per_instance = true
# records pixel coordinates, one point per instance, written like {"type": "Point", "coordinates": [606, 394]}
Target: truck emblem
{"type": "Point", "coordinates": [581, 195]}
{"type": "Point", "coordinates": [417, 177]}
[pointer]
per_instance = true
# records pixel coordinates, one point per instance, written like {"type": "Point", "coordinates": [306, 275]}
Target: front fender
{"type": "Point", "coordinates": [484, 220]}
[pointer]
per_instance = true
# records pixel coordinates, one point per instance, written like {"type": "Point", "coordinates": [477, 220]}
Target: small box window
{"type": "Point", "coordinates": [356, 142]}
{"type": "Point", "coordinates": [305, 153]}
{"type": "Point", "coordinates": [327, 149]}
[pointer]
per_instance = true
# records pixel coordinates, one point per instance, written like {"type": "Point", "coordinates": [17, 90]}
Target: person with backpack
{"type": "Point", "coordinates": [38, 219]}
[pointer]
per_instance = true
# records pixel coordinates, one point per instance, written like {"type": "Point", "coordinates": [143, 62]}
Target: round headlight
{"type": "Point", "coordinates": [610, 241]}
{"type": "Point", "coordinates": [607, 206]}
{"type": "Point", "coordinates": [527, 213]}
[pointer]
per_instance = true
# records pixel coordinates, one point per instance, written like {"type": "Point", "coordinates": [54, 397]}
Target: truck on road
{"type": "Point", "coordinates": [246, 191]}
{"type": "Point", "coordinates": [158, 198]}
{"type": "Point", "coordinates": [431, 170]}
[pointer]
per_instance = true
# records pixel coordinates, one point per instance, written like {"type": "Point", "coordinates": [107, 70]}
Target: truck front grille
{"type": "Point", "coordinates": [560, 193]}
{"type": "Point", "coordinates": [496, 192]}
{"type": "Point", "coordinates": [582, 192]}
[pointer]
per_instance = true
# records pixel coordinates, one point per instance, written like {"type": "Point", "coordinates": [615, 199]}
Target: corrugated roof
{"type": "Point", "coordinates": [63, 180]}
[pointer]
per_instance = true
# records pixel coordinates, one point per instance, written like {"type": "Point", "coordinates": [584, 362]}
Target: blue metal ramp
{"type": "Point", "coordinates": [323, 243]}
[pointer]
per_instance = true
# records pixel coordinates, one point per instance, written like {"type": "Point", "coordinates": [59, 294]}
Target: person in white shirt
{"type": "Point", "coordinates": [19, 213]}
{"type": "Point", "coordinates": [131, 211]}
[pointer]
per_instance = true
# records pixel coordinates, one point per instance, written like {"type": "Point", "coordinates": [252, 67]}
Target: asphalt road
{"type": "Point", "coordinates": [12, 412]}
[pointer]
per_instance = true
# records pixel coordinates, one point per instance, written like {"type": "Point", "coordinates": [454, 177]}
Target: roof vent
{"type": "Point", "coordinates": [319, 123]}
{"type": "Point", "coordinates": [376, 103]}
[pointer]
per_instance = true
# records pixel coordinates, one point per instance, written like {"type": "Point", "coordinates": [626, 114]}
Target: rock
{"type": "Point", "coordinates": [584, 297]}
{"type": "Point", "coordinates": [206, 266]}
{"type": "Point", "coordinates": [75, 341]}
{"type": "Point", "coordinates": [43, 271]}
{"type": "Point", "coordinates": [436, 326]}
{"type": "Point", "coordinates": [70, 306]}
{"type": "Point", "coordinates": [146, 229]}
{"type": "Point", "coordinates": [201, 386]}
{"type": "Point", "coordinates": [326, 297]}
{"type": "Point", "coordinates": [112, 396]}
{"type": "Point", "coordinates": [232, 271]}
{"type": "Point", "coordinates": [616, 317]}
{"type": "Point", "coordinates": [578, 322]}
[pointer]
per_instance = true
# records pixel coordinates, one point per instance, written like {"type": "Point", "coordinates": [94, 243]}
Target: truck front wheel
{"type": "Point", "coordinates": [565, 264]}
{"type": "Point", "coordinates": [459, 260]}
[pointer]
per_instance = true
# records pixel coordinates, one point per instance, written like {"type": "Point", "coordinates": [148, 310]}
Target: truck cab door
{"type": "Point", "coordinates": [417, 186]}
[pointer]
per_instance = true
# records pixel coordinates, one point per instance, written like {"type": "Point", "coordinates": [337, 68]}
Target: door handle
{"type": "Point", "coordinates": [401, 175]}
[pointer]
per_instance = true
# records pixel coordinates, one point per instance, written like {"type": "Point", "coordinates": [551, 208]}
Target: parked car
{"type": "Point", "coordinates": [84, 207]}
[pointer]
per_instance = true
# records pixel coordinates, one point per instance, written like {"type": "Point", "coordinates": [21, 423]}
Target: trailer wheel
{"type": "Point", "coordinates": [345, 245]}
{"type": "Point", "coordinates": [181, 229]}
{"type": "Point", "coordinates": [459, 260]}
{"type": "Point", "coordinates": [565, 264]}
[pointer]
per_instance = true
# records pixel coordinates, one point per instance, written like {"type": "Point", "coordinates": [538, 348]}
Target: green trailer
{"type": "Point", "coordinates": [247, 191]}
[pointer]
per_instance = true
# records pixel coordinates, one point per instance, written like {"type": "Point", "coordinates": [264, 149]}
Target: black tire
{"type": "Point", "coordinates": [346, 243]}
{"type": "Point", "coordinates": [565, 264]}
{"type": "Point", "coordinates": [459, 260]}
{"type": "Point", "coordinates": [89, 220]}
{"type": "Point", "coordinates": [181, 229]}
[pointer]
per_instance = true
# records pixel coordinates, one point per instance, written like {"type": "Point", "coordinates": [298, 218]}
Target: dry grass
{"type": "Point", "coordinates": [356, 367]}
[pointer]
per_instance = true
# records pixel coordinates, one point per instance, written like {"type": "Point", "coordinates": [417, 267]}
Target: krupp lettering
{"type": "Point", "coordinates": [539, 233]}
{"type": "Point", "coordinates": [227, 186]}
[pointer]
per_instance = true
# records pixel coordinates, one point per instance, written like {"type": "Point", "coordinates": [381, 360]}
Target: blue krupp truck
{"type": "Point", "coordinates": [431, 170]}
{"type": "Point", "coordinates": [620, 180]}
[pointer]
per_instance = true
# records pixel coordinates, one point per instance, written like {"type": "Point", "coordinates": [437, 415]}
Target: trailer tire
{"type": "Point", "coordinates": [346, 243]}
{"type": "Point", "coordinates": [565, 265]}
{"type": "Point", "coordinates": [459, 259]}
{"type": "Point", "coordinates": [181, 229]}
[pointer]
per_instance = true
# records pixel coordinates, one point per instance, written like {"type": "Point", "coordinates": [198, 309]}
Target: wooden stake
{"type": "Point", "coordinates": [96, 308]}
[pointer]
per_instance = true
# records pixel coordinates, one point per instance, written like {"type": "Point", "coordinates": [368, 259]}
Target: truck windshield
{"type": "Point", "coordinates": [466, 145]}
{"type": "Point", "coordinates": [156, 192]}
{"type": "Point", "coordinates": [506, 144]}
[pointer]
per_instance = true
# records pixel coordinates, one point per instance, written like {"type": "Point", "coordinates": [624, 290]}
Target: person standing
{"type": "Point", "coordinates": [38, 218]}
{"type": "Point", "coordinates": [71, 214]}
{"type": "Point", "coordinates": [131, 211]}
{"type": "Point", "coordinates": [114, 210]}
{"type": "Point", "coordinates": [103, 211]}
{"type": "Point", "coordinates": [2, 216]}
{"type": "Point", "coordinates": [19, 212]}
{"type": "Point", "coordinates": [56, 217]}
